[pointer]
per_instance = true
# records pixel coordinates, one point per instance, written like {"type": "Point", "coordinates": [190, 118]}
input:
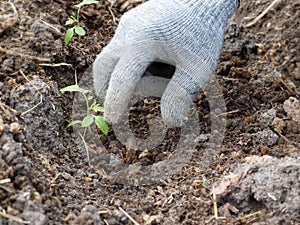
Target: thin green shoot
{"type": "Point", "coordinates": [72, 20]}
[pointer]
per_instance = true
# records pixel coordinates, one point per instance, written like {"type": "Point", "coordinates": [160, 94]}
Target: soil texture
{"type": "Point", "coordinates": [45, 177]}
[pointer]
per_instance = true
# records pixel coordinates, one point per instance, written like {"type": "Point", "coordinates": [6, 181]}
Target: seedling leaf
{"type": "Point", "coordinates": [79, 30]}
{"type": "Point", "coordinates": [70, 21]}
{"type": "Point", "coordinates": [86, 2]}
{"type": "Point", "coordinates": [87, 121]}
{"type": "Point", "coordinates": [73, 88]}
{"type": "Point", "coordinates": [101, 124]}
{"type": "Point", "coordinates": [69, 35]}
{"type": "Point", "coordinates": [72, 123]}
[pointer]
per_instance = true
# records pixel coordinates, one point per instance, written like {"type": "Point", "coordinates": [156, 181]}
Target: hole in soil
{"type": "Point", "coordinates": [142, 112]}
{"type": "Point", "coordinates": [130, 156]}
{"type": "Point", "coordinates": [255, 205]}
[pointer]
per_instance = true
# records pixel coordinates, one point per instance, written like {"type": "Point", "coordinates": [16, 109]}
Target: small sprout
{"type": "Point", "coordinates": [96, 107]}
{"type": "Point", "coordinates": [71, 20]}
{"type": "Point", "coordinates": [90, 118]}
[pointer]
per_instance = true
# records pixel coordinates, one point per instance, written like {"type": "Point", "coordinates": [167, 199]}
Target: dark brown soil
{"type": "Point", "coordinates": [45, 177]}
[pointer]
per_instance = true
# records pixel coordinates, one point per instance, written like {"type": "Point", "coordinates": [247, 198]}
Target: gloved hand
{"type": "Point", "coordinates": [185, 33]}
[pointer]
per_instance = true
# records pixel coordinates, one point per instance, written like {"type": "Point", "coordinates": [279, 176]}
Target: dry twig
{"type": "Point", "coordinates": [55, 65]}
{"type": "Point", "coordinates": [128, 216]}
{"type": "Point", "coordinates": [104, 212]}
{"type": "Point", "coordinates": [216, 216]}
{"type": "Point", "coordinates": [14, 218]}
{"type": "Point", "coordinates": [258, 18]}
{"type": "Point", "coordinates": [9, 52]}
{"type": "Point", "coordinates": [250, 218]}
{"type": "Point", "coordinates": [113, 15]}
{"type": "Point", "coordinates": [5, 181]}
{"type": "Point", "coordinates": [228, 113]}
{"type": "Point", "coordinates": [52, 27]}
{"type": "Point", "coordinates": [3, 107]}
{"type": "Point", "coordinates": [13, 7]}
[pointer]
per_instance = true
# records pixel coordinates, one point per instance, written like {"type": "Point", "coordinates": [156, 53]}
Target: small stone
{"type": "Point", "coordinates": [36, 197]}
{"type": "Point", "coordinates": [89, 208]}
{"type": "Point", "coordinates": [292, 108]}
{"type": "Point", "coordinates": [278, 125]}
{"type": "Point", "coordinates": [267, 137]}
{"type": "Point", "coordinates": [80, 173]}
{"type": "Point", "coordinates": [66, 176]}
{"type": "Point", "coordinates": [268, 116]}
{"type": "Point", "coordinates": [15, 128]}
{"type": "Point", "coordinates": [8, 65]}
{"type": "Point", "coordinates": [19, 138]}
{"type": "Point", "coordinates": [118, 203]}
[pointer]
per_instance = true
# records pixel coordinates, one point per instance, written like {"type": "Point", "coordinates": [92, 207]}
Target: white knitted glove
{"type": "Point", "coordinates": [185, 33]}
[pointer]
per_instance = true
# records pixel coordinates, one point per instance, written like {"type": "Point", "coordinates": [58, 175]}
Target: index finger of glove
{"type": "Point", "coordinates": [122, 84]}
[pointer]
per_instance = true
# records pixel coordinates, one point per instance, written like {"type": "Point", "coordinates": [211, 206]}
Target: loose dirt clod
{"type": "Point", "coordinates": [267, 183]}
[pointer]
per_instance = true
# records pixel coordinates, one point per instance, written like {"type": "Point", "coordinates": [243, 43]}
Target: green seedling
{"type": "Point", "coordinates": [75, 20]}
{"type": "Point", "coordinates": [91, 109]}
{"type": "Point", "coordinates": [90, 118]}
